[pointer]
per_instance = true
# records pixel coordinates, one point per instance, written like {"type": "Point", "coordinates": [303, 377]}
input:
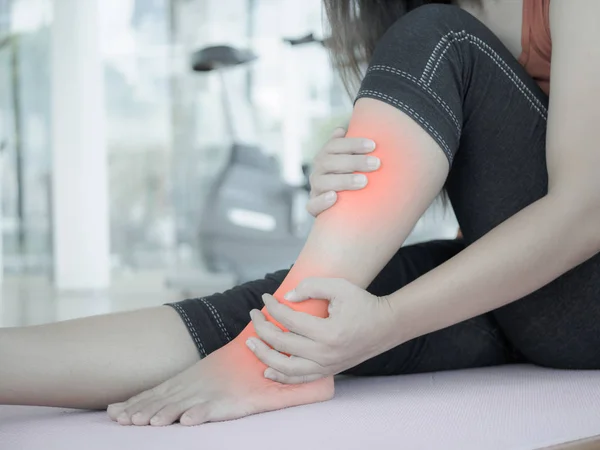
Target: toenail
{"type": "Point", "coordinates": [122, 417]}
{"type": "Point", "coordinates": [155, 420]}
{"type": "Point", "coordinates": [136, 416]}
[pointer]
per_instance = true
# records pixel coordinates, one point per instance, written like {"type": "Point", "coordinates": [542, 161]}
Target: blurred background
{"type": "Point", "coordinates": [156, 149]}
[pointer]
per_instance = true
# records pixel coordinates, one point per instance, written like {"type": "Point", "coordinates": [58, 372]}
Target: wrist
{"type": "Point", "coordinates": [392, 322]}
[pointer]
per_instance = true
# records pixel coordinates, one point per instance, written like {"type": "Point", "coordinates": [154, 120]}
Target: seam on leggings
{"type": "Point", "coordinates": [191, 328]}
{"type": "Point", "coordinates": [487, 50]}
{"type": "Point", "coordinates": [408, 76]}
{"type": "Point", "coordinates": [411, 112]}
{"type": "Point", "coordinates": [428, 64]}
{"type": "Point", "coordinates": [217, 318]}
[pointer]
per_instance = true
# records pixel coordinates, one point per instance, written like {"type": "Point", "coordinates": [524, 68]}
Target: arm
{"type": "Point", "coordinates": [554, 234]}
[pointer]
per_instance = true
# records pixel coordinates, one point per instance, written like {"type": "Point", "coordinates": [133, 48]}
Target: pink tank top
{"type": "Point", "coordinates": [536, 41]}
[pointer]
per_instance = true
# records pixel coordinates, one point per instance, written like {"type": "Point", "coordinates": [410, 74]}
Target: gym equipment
{"type": "Point", "coordinates": [249, 224]}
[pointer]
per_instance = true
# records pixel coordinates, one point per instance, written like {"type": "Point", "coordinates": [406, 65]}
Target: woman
{"type": "Point", "coordinates": [447, 105]}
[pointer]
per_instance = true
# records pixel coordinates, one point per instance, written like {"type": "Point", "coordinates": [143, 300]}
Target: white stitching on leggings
{"type": "Point", "coordinates": [455, 36]}
{"type": "Point", "coordinates": [513, 76]}
{"type": "Point", "coordinates": [422, 86]}
{"type": "Point", "coordinates": [190, 327]}
{"type": "Point", "coordinates": [411, 112]}
{"type": "Point", "coordinates": [217, 318]}
{"type": "Point", "coordinates": [430, 60]}
{"type": "Point", "coordinates": [537, 104]}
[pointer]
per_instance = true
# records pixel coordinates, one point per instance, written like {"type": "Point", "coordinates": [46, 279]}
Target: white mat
{"type": "Point", "coordinates": [517, 407]}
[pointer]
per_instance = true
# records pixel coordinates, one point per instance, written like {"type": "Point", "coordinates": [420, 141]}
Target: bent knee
{"type": "Point", "coordinates": [420, 41]}
{"type": "Point", "coordinates": [433, 20]}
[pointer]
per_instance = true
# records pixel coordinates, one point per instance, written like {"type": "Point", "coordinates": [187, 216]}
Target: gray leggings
{"type": "Point", "coordinates": [446, 70]}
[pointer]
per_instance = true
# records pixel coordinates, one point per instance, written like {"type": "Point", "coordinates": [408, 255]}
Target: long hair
{"type": "Point", "coordinates": [355, 27]}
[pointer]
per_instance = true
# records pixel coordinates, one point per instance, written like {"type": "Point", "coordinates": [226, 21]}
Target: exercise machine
{"type": "Point", "coordinates": [250, 224]}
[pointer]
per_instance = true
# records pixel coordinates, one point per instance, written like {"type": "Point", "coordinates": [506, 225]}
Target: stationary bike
{"type": "Point", "coordinates": [249, 225]}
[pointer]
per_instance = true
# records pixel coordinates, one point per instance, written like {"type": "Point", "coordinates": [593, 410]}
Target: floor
{"type": "Point", "coordinates": [33, 300]}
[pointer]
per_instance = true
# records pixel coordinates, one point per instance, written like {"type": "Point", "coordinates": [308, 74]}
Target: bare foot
{"type": "Point", "coordinates": [227, 384]}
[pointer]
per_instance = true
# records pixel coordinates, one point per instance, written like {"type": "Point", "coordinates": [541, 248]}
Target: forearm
{"type": "Point", "coordinates": [521, 255]}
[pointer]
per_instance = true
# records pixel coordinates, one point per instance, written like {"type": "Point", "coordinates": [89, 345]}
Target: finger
{"type": "Point", "coordinates": [288, 365]}
{"type": "Point", "coordinates": [320, 203]}
{"type": "Point", "coordinates": [284, 342]}
{"type": "Point", "coordinates": [274, 375]}
{"type": "Point", "coordinates": [339, 132]}
{"type": "Point", "coordinates": [347, 164]}
{"type": "Point", "coordinates": [337, 182]}
{"type": "Point", "coordinates": [349, 145]}
{"type": "Point", "coordinates": [297, 322]}
{"type": "Point", "coordinates": [320, 288]}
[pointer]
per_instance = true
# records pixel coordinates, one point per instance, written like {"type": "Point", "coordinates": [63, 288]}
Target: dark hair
{"type": "Point", "coordinates": [355, 28]}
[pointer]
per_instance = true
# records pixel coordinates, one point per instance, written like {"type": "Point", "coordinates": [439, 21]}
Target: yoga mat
{"type": "Point", "coordinates": [509, 407]}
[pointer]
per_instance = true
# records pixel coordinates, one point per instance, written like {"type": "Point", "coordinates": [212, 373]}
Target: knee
{"type": "Point", "coordinates": [426, 35]}
{"type": "Point", "coordinates": [431, 21]}
{"type": "Point", "coordinates": [437, 14]}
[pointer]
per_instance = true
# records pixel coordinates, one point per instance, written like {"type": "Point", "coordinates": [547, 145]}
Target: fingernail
{"type": "Point", "coordinates": [330, 196]}
{"type": "Point", "coordinates": [373, 162]}
{"type": "Point", "coordinates": [359, 180]}
{"type": "Point", "coordinates": [369, 145]}
{"type": "Point", "coordinates": [251, 345]}
{"type": "Point", "coordinates": [270, 374]}
{"type": "Point", "coordinates": [291, 296]}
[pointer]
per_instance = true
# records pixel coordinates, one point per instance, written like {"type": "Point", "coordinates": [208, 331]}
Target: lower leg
{"type": "Point", "coordinates": [95, 361]}
{"type": "Point", "coordinates": [353, 240]}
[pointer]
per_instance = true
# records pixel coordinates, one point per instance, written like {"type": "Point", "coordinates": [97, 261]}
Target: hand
{"type": "Point", "coordinates": [334, 168]}
{"type": "Point", "coordinates": [355, 331]}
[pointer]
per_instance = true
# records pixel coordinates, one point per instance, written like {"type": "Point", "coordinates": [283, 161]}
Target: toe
{"type": "Point", "coordinates": [131, 411]}
{"type": "Point", "coordinates": [147, 411]}
{"type": "Point", "coordinates": [170, 413]}
{"type": "Point", "coordinates": [136, 412]}
{"type": "Point", "coordinates": [196, 415]}
{"type": "Point", "coordinates": [115, 410]}
{"type": "Point", "coordinates": [124, 419]}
